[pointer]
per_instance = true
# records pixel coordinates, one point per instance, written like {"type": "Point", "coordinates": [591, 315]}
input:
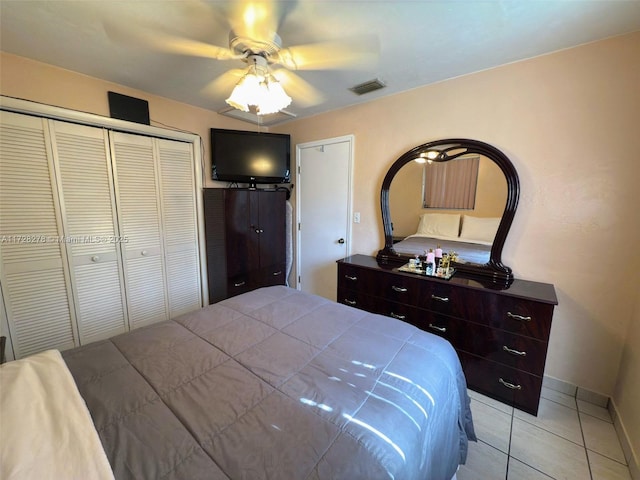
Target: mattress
{"type": "Point", "coordinates": [277, 384]}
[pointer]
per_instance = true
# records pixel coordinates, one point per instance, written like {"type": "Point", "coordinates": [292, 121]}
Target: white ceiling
{"type": "Point", "coordinates": [420, 42]}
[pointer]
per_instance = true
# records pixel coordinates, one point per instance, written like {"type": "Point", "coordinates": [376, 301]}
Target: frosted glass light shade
{"type": "Point", "coordinates": [263, 92]}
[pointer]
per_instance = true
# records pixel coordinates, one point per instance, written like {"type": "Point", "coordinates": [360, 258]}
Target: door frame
{"type": "Point", "coordinates": [350, 139]}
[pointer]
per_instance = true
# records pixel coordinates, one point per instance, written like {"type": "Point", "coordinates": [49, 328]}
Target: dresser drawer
{"type": "Point", "coordinates": [356, 299]}
{"type": "Point", "coordinates": [506, 384]}
{"type": "Point", "coordinates": [441, 298]}
{"type": "Point", "coordinates": [354, 278]}
{"type": "Point", "coordinates": [523, 317]}
{"type": "Point", "coordinates": [397, 288]}
{"type": "Point", "coordinates": [523, 353]}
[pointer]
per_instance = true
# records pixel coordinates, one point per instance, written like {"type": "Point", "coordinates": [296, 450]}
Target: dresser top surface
{"type": "Point", "coordinates": [541, 292]}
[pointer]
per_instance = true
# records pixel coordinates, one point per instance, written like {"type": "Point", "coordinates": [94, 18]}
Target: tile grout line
{"type": "Point", "coordinates": [509, 447]}
{"type": "Point", "coordinates": [584, 440]}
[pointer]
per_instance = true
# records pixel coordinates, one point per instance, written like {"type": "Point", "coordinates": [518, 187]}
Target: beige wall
{"type": "Point", "coordinates": [568, 121]}
{"type": "Point", "coordinates": [626, 396]}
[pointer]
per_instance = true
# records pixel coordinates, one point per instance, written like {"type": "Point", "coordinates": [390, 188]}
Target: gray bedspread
{"type": "Point", "coordinates": [277, 384]}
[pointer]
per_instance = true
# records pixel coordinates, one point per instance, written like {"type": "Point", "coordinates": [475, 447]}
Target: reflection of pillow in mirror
{"type": "Point", "coordinates": [439, 225]}
{"type": "Point", "coordinates": [479, 230]}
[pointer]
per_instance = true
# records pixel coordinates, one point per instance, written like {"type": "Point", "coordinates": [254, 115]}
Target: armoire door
{"type": "Point", "coordinates": [241, 252]}
{"type": "Point", "coordinates": [271, 219]}
{"type": "Point", "coordinates": [92, 238]}
{"type": "Point", "coordinates": [33, 261]}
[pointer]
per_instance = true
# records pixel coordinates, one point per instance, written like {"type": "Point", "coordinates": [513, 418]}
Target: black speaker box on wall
{"type": "Point", "coordinates": [128, 108]}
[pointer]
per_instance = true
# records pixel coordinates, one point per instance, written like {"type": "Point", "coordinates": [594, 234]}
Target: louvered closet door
{"type": "Point", "coordinates": [35, 283]}
{"type": "Point", "coordinates": [89, 217]}
{"type": "Point", "coordinates": [137, 198]}
{"type": "Point", "coordinates": [180, 225]}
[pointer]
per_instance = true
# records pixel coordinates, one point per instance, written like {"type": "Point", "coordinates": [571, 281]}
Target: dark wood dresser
{"type": "Point", "coordinates": [501, 333]}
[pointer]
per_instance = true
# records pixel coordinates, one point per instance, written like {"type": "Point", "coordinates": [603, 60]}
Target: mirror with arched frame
{"type": "Point", "coordinates": [410, 228]}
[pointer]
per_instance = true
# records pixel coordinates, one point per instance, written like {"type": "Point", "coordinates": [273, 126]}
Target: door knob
{"type": "Point", "coordinates": [341, 240]}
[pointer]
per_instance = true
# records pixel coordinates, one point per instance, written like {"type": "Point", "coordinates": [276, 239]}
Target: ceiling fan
{"type": "Point", "coordinates": [253, 39]}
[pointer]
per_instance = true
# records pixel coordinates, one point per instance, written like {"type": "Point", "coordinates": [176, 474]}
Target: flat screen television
{"type": "Point", "coordinates": [239, 156]}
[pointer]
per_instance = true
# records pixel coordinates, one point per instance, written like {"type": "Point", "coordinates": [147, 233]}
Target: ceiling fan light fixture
{"type": "Point", "coordinates": [243, 93]}
{"type": "Point", "coordinates": [260, 89]}
{"type": "Point", "coordinates": [275, 98]}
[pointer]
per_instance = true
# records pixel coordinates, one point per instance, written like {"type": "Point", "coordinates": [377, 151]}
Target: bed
{"type": "Point", "coordinates": [271, 384]}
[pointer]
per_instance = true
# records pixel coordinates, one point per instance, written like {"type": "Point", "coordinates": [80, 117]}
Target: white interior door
{"type": "Point", "coordinates": [323, 211]}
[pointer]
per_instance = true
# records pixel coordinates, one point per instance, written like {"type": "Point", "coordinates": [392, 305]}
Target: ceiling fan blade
{"type": "Point", "coordinates": [223, 85]}
{"type": "Point", "coordinates": [153, 37]}
{"type": "Point", "coordinates": [349, 53]}
{"type": "Point", "coordinates": [305, 94]}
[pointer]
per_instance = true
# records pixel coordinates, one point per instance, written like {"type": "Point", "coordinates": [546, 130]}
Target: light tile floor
{"type": "Point", "coordinates": [569, 439]}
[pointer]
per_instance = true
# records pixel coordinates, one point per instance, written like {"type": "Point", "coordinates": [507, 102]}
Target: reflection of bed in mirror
{"type": "Point", "coordinates": [470, 237]}
{"type": "Point", "coordinates": [468, 252]}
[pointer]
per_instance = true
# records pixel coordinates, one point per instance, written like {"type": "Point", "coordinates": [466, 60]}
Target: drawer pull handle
{"type": "Point", "coordinates": [440, 299]}
{"type": "Point", "coordinates": [399, 289]}
{"type": "Point", "coordinates": [275, 274]}
{"type": "Point", "coordinates": [239, 284]}
{"type": "Point", "coordinates": [399, 317]}
{"type": "Point", "coordinates": [514, 352]}
{"type": "Point", "coordinates": [349, 277]}
{"type": "Point", "coordinates": [95, 258]}
{"type": "Point", "coordinates": [510, 385]}
{"type": "Point", "coordinates": [349, 302]}
{"type": "Point", "coordinates": [518, 317]}
{"type": "Point", "coordinates": [437, 328]}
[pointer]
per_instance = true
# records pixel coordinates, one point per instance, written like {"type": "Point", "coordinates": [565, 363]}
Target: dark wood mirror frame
{"type": "Point", "coordinates": [446, 150]}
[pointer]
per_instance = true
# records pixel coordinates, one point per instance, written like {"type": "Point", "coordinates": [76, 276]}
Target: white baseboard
{"type": "Point", "coordinates": [629, 454]}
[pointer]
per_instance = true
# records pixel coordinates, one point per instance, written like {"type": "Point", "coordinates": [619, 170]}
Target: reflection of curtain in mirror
{"type": "Point", "coordinates": [451, 184]}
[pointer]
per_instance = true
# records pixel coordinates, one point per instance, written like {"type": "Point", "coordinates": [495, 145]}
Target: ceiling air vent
{"type": "Point", "coordinates": [366, 87]}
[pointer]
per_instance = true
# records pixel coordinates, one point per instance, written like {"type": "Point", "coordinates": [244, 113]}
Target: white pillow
{"type": "Point", "coordinates": [479, 230]}
{"type": "Point", "coordinates": [439, 225]}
